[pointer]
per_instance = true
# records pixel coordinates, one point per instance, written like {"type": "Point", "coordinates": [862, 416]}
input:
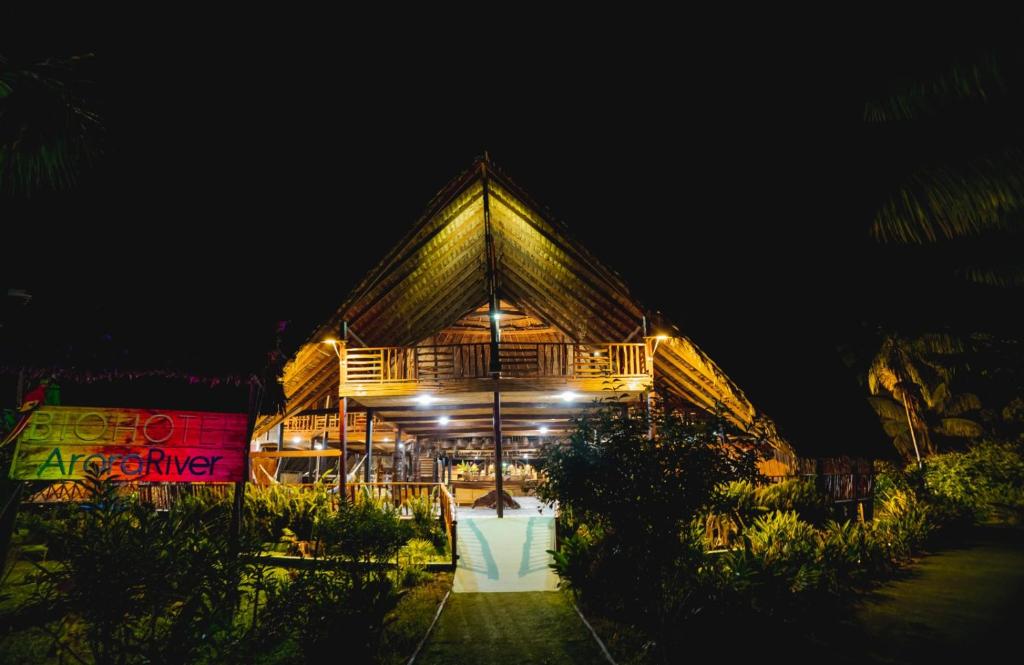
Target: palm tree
{"type": "Point", "coordinates": [49, 127]}
{"type": "Point", "coordinates": [910, 382]}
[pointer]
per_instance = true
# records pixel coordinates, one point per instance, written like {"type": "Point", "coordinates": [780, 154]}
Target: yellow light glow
{"type": "Point", "coordinates": [330, 340]}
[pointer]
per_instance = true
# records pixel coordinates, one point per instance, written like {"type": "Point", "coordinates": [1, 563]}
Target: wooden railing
{"type": "Point", "coordinates": [430, 363]}
{"type": "Point", "coordinates": [318, 424]}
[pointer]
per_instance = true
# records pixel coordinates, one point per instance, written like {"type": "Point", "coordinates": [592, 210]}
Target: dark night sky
{"type": "Point", "coordinates": [731, 187]}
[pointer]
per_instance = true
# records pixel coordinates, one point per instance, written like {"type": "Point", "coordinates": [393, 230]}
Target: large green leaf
{"type": "Point", "coordinates": [888, 409]}
{"type": "Point", "coordinates": [959, 427]}
{"type": "Point", "coordinates": [962, 403]}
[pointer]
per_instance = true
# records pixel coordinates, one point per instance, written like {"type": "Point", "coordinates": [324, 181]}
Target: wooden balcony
{"type": "Point", "coordinates": [396, 370]}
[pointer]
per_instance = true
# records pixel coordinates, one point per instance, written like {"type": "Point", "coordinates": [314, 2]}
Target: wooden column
{"type": "Point", "coordinates": [343, 458]}
{"type": "Point", "coordinates": [394, 455]}
{"type": "Point", "coordinates": [280, 444]}
{"type": "Point", "coordinates": [498, 479]}
{"type": "Point", "coordinates": [368, 460]}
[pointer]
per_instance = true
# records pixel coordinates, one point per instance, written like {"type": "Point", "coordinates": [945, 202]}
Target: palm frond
{"type": "Point", "coordinates": [1007, 276]}
{"type": "Point", "coordinates": [963, 403]}
{"type": "Point", "coordinates": [49, 129]}
{"type": "Point", "coordinates": [888, 409]}
{"type": "Point", "coordinates": [946, 202]}
{"type": "Point", "coordinates": [959, 427]}
{"type": "Point", "coordinates": [980, 80]}
{"type": "Point", "coordinates": [939, 343]}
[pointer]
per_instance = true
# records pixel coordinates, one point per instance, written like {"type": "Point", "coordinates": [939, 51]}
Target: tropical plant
{"type": "Point", "coordinates": [801, 496]}
{"type": "Point", "coordinates": [910, 381]}
{"type": "Point", "coordinates": [987, 479]}
{"type": "Point", "coordinates": [349, 591]}
{"type": "Point", "coordinates": [142, 586]}
{"type": "Point", "coordinates": [273, 508]}
{"type": "Point", "coordinates": [50, 128]}
{"type": "Point", "coordinates": [904, 523]}
{"type": "Point", "coordinates": [632, 498]}
{"type": "Point", "coordinates": [426, 524]}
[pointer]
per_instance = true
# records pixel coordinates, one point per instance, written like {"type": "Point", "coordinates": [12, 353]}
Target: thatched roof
{"type": "Point", "coordinates": [437, 274]}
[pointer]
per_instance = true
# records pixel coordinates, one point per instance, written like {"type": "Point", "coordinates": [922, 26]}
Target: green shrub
{"type": "Point", "coordinates": [800, 496]}
{"type": "Point", "coordinates": [413, 558]}
{"type": "Point", "coordinates": [903, 522]}
{"type": "Point", "coordinates": [573, 562]}
{"type": "Point", "coordinates": [986, 480]}
{"type": "Point", "coordinates": [142, 586]}
{"type": "Point", "coordinates": [272, 508]}
{"type": "Point", "coordinates": [632, 536]}
{"type": "Point", "coordinates": [786, 549]}
{"type": "Point", "coordinates": [851, 554]}
{"type": "Point", "coordinates": [426, 524]}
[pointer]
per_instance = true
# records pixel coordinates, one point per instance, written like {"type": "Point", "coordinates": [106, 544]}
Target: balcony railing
{"type": "Point", "coordinates": [434, 364]}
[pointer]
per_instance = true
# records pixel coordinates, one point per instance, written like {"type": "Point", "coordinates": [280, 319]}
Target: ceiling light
{"type": "Point", "coordinates": [425, 399]}
{"type": "Point", "coordinates": [568, 396]}
{"type": "Point", "coordinates": [443, 420]}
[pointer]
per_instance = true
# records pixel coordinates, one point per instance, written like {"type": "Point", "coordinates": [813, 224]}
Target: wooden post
{"type": "Point", "coordinates": [368, 460]}
{"type": "Point", "coordinates": [280, 445]}
{"type": "Point", "coordinates": [394, 455]}
{"type": "Point", "coordinates": [255, 402]}
{"type": "Point", "coordinates": [498, 479]}
{"type": "Point", "coordinates": [342, 415]}
{"type": "Point", "coordinates": [343, 458]}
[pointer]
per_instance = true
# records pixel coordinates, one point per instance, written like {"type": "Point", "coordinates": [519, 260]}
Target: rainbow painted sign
{"type": "Point", "coordinates": [60, 442]}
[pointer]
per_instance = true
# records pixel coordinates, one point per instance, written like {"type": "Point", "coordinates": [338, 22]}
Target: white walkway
{"type": "Point", "coordinates": [509, 554]}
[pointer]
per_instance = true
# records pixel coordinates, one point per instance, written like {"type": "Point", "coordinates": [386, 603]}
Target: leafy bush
{"type": "Point", "coordinates": [631, 503]}
{"type": "Point", "coordinates": [273, 508]}
{"type": "Point", "coordinates": [904, 523]}
{"type": "Point", "coordinates": [800, 496]}
{"type": "Point", "coordinates": [782, 550]}
{"type": "Point", "coordinates": [426, 524]}
{"type": "Point", "coordinates": [987, 480]}
{"type": "Point", "coordinates": [142, 586]}
{"type": "Point", "coordinates": [346, 596]}
{"type": "Point", "coordinates": [851, 554]}
{"type": "Point", "coordinates": [413, 557]}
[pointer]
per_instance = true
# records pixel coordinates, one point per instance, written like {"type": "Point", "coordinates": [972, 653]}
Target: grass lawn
{"type": "Point", "coordinates": [411, 619]}
{"type": "Point", "coordinates": [534, 627]}
{"type": "Point", "coordinates": [957, 604]}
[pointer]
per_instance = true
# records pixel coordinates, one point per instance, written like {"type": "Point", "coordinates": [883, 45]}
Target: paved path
{"type": "Point", "coordinates": [505, 555]}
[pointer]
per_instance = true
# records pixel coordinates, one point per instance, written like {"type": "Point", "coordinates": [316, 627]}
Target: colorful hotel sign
{"type": "Point", "coordinates": [60, 442]}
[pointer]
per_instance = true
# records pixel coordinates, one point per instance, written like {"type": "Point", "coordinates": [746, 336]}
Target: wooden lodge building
{"type": "Point", "coordinates": [474, 341]}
